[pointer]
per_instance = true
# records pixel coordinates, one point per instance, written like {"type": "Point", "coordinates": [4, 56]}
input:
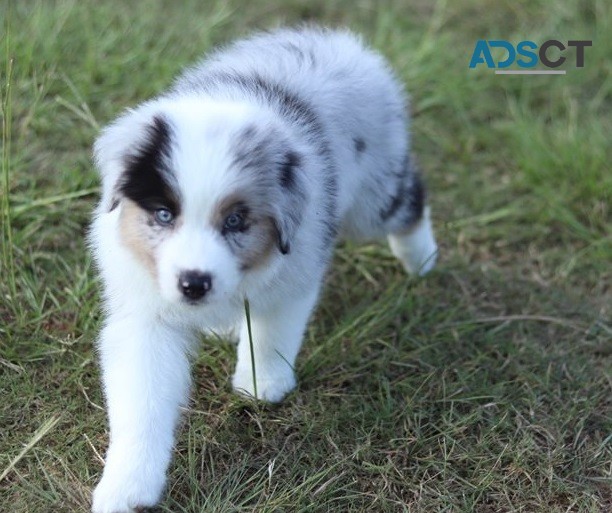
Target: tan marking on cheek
{"type": "Point", "coordinates": [137, 234]}
{"type": "Point", "coordinates": [258, 244]}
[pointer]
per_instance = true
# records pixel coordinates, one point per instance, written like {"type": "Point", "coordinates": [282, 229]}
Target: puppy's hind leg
{"type": "Point", "coordinates": [408, 224]}
{"type": "Point", "coordinates": [416, 247]}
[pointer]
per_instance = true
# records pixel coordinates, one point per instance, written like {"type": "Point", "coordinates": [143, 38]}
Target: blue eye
{"type": "Point", "coordinates": [163, 216]}
{"type": "Point", "coordinates": [234, 222]}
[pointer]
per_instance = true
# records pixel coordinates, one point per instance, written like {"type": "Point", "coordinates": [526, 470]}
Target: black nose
{"type": "Point", "coordinates": [194, 284]}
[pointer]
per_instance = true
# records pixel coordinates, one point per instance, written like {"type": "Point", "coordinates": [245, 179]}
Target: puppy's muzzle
{"type": "Point", "coordinates": [194, 284]}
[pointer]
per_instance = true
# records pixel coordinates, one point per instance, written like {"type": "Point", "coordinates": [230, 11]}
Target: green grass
{"type": "Point", "coordinates": [484, 387]}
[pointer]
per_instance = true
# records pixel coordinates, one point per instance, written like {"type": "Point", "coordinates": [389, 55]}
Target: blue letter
{"type": "Point", "coordinates": [532, 56]}
{"type": "Point", "coordinates": [509, 48]}
{"type": "Point", "coordinates": [481, 50]}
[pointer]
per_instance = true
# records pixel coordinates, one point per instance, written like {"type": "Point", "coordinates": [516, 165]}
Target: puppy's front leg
{"type": "Point", "coordinates": [277, 337]}
{"type": "Point", "coordinates": [146, 379]}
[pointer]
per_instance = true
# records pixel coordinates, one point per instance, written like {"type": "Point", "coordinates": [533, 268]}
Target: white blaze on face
{"type": "Point", "coordinates": [196, 247]}
{"type": "Point", "coordinates": [201, 160]}
{"type": "Point", "coordinates": [203, 164]}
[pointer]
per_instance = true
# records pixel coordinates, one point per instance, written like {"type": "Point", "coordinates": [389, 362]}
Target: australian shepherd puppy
{"type": "Point", "coordinates": [235, 184]}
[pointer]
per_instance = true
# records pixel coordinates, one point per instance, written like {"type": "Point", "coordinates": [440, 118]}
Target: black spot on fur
{"type": "Point", "coordinates": [263, 152]}
{"type": "Point", "coordinates": [417, 197]}
{"type": "Point", "coordinates": [394, 204]}
{"type": "Point", "coordinates": [287, 172]}
{"type": "Point", "coordinates": [406, 205]}
{"type": "Point", "coordinates": [360, 144]}
{"type": "Point", "coordinates": [146, 177]}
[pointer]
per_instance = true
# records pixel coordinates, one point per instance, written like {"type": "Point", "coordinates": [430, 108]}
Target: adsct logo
{"type": "Point", "coordinates": [529, 54]}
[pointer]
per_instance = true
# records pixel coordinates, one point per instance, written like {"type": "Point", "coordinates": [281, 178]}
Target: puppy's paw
{"type": "Point", "coordinates": [421, 260]}
{"type": "Point", "coordinates": [416, 249]}
{"type": "Point", "coordinates": [121, 493]}
{"type": "Point", "coordinates": [271, 388]}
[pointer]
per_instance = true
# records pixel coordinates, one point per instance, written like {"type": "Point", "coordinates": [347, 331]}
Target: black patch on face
{"type": "Point", "coordinates": [287, 171]}
{"type": "Point", "coordinates": [360, 144]}
{"type": "Point", "coordinates": [145, 180]}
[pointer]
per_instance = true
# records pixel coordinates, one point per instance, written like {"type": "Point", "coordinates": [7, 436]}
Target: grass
{"type": "Point", "coordinates": [484, 387]}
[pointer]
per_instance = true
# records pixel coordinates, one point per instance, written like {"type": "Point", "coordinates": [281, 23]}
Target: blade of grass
{"type": "Point", "coordinates": [45, 202]}
{"type": "Point", "coordinates": [7, 245]}
{"type": "Point", "coordinates": [247, 311]}
{"type": "Point", "coordinates": [40, 432]}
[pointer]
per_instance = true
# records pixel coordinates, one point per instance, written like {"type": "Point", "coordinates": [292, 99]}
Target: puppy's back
{"type": "Point", "coordinates": [352, 90]}
{"type": "Point", "coordinates": [326, 67]}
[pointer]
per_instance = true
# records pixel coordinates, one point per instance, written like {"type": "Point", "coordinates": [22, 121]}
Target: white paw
{"type": "Point", "coordinates": [271, 387]}
{"type": "Point", "coordinates": [119, 492]}
{"type": "Point", "coordinates": [417, 250]}
{"type": "Point", "coordinates": [422, 262]}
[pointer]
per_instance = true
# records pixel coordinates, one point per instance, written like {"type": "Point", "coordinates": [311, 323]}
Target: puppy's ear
{"type": "Point", "coordinates": [114, 144]}
{"type": "Point", "coordinates": [292, 197]}
{"type": "Point", "coordinates": [274, 164]}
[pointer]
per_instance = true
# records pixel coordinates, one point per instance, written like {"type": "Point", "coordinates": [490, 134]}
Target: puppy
{"type": "Point", "coordinates": [235, 184]}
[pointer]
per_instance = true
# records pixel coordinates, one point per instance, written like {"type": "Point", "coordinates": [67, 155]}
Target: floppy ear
{"type": "Point", "coordinates": [292, 198]}
{"type": "Point", "coordinates": [264, 152]}
{"type": "Point", "coordinates": [116, 142]}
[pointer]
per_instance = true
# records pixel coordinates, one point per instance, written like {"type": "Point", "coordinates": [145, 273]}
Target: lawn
{"type": "Point", "coordinates": [485, 386]}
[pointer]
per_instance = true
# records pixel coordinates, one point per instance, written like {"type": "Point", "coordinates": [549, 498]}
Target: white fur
{"type": "Point", "coordinates": [417, 249]}
{"type": "Point", "coordinates": [149, 332]}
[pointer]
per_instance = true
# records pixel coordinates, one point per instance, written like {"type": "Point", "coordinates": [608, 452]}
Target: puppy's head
{"type": "Point", "coordinates": [205, 193]}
